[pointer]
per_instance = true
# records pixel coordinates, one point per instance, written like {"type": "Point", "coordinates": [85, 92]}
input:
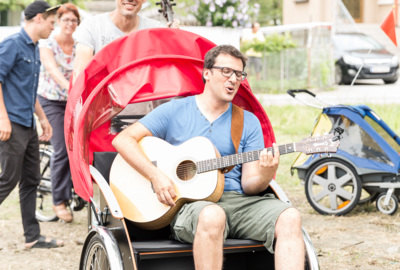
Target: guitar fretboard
{"type": "Point", "coordinates": [231, 160]}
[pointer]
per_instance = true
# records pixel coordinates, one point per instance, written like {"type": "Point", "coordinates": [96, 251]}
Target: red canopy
{"type": "Point", "coordinates": [145, 65]}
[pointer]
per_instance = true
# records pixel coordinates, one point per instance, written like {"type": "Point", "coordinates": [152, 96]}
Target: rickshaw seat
{"type": "Point", "coordinates": [153, 245]}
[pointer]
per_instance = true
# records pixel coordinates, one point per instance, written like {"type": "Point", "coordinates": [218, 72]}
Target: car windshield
{"type": "Point", "coordinates": [355, 42]}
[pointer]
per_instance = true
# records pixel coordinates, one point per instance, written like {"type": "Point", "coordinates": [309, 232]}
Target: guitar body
{"type": "Point", "coordinates": [135, 195]}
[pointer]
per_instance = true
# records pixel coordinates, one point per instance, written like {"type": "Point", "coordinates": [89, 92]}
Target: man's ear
{"type": "Point", "coordinates": [38, 18]}
{"type": "Point", "coordinates": [206, 74]}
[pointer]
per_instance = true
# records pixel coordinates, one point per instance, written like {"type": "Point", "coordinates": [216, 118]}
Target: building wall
{"type": "Point", "coordinates": [375, 11]}
{"type": "Point", "coordinates": [306, 11]}
{"type": "Point", "coordinates": [295, 11]}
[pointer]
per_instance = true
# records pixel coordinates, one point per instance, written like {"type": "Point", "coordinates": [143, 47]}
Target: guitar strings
{"type": "Point", "coordinates": [192, 167]}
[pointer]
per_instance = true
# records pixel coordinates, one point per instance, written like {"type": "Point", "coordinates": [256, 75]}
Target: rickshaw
{"type": "Point", "coordinates": [145, 66]}
{"type": "Point", "coordinates": [364, 169]}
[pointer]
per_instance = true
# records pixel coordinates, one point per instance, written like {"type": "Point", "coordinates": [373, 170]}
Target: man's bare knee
{"type": "Point", "coordinates": [212, 219]}
{"type": "Point", "coordinates": [289, 220]}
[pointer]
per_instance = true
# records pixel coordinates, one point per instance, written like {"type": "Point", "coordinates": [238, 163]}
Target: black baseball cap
{"type": "Point", "coordinates": [36, 7]}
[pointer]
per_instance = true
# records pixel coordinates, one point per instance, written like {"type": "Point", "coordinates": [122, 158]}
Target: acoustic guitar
{"type": "Point", "coordinates": [195, 167]}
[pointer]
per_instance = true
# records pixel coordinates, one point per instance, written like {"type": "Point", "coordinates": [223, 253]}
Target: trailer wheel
{"type": "Point", "coordinates": [96, 257]}
{"type": "Point", "coordinates": [389, 209]}
{"type": "Point", "coordinates": [332, 187]}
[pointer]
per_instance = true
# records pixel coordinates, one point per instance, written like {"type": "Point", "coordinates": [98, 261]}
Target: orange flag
{"type": "Point", "coordinates": [388, 26]}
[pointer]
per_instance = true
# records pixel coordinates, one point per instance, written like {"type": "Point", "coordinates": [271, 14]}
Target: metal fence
{"type": "Point", "coordinates": [310, 68]}
{"type": "Point", "coordinates": [310, 65]}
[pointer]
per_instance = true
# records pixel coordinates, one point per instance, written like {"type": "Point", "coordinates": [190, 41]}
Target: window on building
{"type": "Point", "coordinates": [355, 8]}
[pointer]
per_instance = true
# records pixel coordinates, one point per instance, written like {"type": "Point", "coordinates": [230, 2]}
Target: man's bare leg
{"type": "Point", "coordinates": [289, 249]}
{"type": "Point", "coordinates": [208, 241]}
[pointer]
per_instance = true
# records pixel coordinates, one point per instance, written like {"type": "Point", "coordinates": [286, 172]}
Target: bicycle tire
{"type": "Point", "coordinates": [44, 199]}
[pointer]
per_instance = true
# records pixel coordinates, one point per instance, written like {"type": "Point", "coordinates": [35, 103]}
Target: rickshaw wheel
{"type": "Point", "coordinates": [332, 187]}
{"type": "Point", "coordinates": [96, 257]}
{"type": "Point", "coordinates": [389, 209]}
{"type": "Point", "coordinates": [44, 199]}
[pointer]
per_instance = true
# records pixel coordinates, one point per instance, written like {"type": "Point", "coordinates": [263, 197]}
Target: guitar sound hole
{"type": "Point", "coordinates": [186, 170]}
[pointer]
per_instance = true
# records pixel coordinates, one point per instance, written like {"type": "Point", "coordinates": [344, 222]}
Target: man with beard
{"type": "Point", "coordinates": [96, 32]}
{"type": "Point", "coordinates": [240, 213]}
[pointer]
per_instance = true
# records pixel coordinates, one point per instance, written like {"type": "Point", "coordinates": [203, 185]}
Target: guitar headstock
{"type": "Point", "coordinates": [323, 144]}
{"type": "Point", "coordinates": [166, 9]}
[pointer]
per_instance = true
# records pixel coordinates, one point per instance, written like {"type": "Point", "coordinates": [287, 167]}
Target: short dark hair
{"type": "Point", "coordinates": [211, 55]}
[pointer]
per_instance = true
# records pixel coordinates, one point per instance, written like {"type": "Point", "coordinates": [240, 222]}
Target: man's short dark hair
{"type": "Point", "coordinates": [211, 55]}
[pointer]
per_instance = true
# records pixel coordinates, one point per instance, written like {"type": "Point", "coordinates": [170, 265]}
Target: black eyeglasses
{"type": "Point", "coordinates": [73, 21]}
{"type": "Point", "coordinates": [227, 72]}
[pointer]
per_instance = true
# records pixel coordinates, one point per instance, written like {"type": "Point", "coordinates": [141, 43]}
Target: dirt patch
{"type": "Point", "coordinates": [12, 252]}
{"type": "Point", "coordinates": [364, 239]}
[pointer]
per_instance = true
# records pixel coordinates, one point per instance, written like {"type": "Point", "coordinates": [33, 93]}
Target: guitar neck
{"type": "Point", "coordinates": [240, 158]}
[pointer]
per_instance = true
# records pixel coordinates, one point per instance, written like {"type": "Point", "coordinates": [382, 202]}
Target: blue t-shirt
{"type": "Point", "coordinates": [180, 120]}
{"type": "Point", "coordinates": [19, 76]}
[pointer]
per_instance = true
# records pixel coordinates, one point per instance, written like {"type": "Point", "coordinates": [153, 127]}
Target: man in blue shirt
{"type": "Point", "coordinates": [19, 145]}
{"type": "Point", "coordinates": [241, 212]}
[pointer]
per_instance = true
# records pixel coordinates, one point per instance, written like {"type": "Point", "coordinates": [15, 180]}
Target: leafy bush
{"type": "Point", "coordinates": [273, 43]}
{"type": "Point", "coordinates": [227, 13]}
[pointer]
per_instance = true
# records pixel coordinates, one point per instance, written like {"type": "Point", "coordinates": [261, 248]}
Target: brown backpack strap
{"type": "Point", "coordinates": [236, 130]}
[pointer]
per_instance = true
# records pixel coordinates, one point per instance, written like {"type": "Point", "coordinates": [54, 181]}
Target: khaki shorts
{"type": "Point", "coordinates": [248, 217]}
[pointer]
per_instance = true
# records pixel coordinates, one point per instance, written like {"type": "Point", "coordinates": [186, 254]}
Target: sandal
{"type": "Point", "coordinates": [62, 212]}
{"type": "Point", "coordinates": [42, 243]}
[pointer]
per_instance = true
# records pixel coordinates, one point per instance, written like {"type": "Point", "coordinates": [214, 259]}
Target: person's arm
{"type": "Point", "coordinates": [257, 175]}
{"type": "Point", "coordinates": [83, 55]}
{"type": "Point", "coordinates": [127, 145]}
{"type": "Point", "coordinates": [46, 127]}
{"type": "Point", "coordinates": [8, 56]}
{"type": "Point", "coordinates": [50, 64]}
{"type": "Point", "coordinates": [5, 124]}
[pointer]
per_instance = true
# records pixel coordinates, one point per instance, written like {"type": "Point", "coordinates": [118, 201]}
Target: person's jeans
{"type": "Point", "coordinates": [19, 163]}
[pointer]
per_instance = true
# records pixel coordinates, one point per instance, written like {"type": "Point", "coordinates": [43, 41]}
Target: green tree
{"type": "Point", "coordinates": [266, 12]}
{"type": "Point", "coordinates": [270, 12]}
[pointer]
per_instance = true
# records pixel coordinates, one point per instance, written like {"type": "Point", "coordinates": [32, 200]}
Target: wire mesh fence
{"type": "Point", "coordinates": [308, 66]}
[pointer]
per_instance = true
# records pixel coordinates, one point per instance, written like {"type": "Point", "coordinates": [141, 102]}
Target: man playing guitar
{"type": "Point", "coordinates": [240, 212]}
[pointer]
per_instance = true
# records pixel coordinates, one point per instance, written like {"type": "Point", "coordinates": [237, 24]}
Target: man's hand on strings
{"type": "Point", "coordinates": [269, 163]}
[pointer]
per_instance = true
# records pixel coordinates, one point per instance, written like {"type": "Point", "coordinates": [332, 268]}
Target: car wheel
{"type": "Point", "coordinates": [338, 74]}
{"type": "Point", "coordinates": [390, 81]}
{"type": "Point", "coordinates": [332, 187]}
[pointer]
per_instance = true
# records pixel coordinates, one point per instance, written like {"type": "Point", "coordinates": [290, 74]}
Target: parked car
{"type": "Point", "coordinates": [353, 50]}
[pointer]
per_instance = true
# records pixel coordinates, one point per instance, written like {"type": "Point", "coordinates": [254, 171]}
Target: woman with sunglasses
{"type": "Point", "coordinates": [57, 55]}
